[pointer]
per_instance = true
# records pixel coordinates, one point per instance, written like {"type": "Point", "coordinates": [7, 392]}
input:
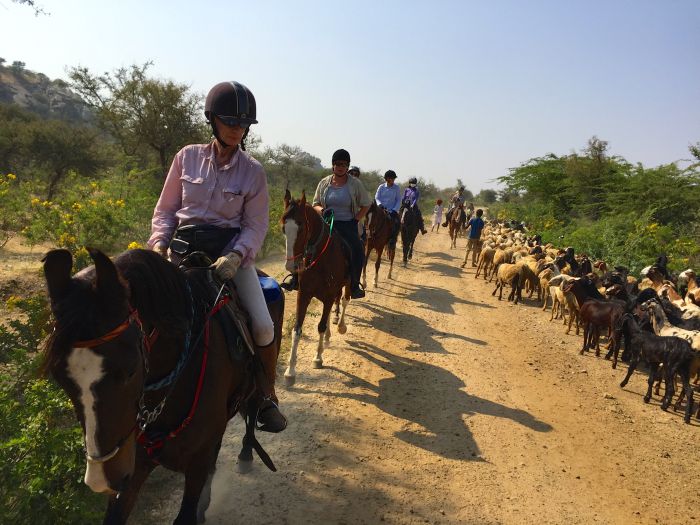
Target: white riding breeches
{"type": "Point", "coordinates": [253, 300]}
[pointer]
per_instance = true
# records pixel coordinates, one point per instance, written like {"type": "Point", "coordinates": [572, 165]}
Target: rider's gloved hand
{"type": "Point", "coordinates": [161, 249]}
{"type": "Point", "coordinates": [227, 265]}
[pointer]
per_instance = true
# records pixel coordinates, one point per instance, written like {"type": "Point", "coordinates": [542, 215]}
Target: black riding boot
{"type": "Point", "coordinates": [270, 419]}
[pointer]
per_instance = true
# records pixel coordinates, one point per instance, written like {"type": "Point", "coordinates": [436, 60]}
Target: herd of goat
{"type": "Point", "coordinates": [657, 317]}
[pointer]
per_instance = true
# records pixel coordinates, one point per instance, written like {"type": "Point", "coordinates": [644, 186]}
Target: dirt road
{"type": "Point", "coordinates": [442, 405]}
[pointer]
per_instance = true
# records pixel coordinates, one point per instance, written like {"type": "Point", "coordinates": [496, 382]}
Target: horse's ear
{"type": "Point", "coordinates": [57, 267]}
{"type": "Point", "coordinates": [302, 201]}
{"type": "Point", "coordinates": [107, 283]}
{"type": "Point", "coordinates": [287, 198]}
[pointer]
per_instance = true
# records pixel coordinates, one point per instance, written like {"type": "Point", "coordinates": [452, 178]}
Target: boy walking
{"type": "Point", "coordinates": [475, 225]}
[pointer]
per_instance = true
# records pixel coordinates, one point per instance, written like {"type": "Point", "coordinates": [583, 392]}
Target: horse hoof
{"type": "Point", "coordinates": [244, 467]}
{"type": "Point", "coordinates": [290, 380]}
{"type": "Point", "coordinates": [646, 399]}
{"type": "Point", "coordinates": [318, 364]}
{"type": "Point", "coordinates": [342, 328]}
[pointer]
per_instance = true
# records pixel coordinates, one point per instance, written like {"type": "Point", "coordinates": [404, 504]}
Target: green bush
{"type": "Point", "coordinates": [41, 445]}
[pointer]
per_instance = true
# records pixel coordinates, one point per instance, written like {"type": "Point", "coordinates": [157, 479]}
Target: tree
{"type": "Point", "coordinates": [486, 196]}
{"type": "Point", "coordinates": [18, 66]}
{"type": "Point", "coordinates": [695, 150]}
{"type": "Point", "coordinates": [58, 148]}
{"type": "Point", "coordinates": [146, 116]}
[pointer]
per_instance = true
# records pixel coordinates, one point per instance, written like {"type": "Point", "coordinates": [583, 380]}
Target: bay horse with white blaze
{"type": "Point", "coordinates": [409, 231]}
{"type": "Point", "coordinates": [379, 227]}
{"type": "Point", "coordinates": [319, 256]}
{"type": "Point", "coordinates": [143, 357]}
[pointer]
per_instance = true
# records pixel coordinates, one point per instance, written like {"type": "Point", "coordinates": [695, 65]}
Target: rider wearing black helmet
{"type": "Point", "coordinates": [410, 200]}
{"type": "Point", "coordinates": [388, 196]}
{"type": "Point", "coordinates": [456, 200]}
{"type": "Point", "coordinates": [218, 192]}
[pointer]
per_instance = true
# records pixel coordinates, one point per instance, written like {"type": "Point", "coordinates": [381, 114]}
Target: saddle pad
{"type": "Point", "coordinates": [271, 290]}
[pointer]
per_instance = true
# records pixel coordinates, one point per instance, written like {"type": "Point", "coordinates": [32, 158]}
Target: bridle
{"type": "Point", "coordinates": [310, 247]}
{"type": "Point", "coordinates": [133, 317]}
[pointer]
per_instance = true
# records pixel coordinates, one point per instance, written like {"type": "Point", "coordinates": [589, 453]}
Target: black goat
{"type": "Point", "coordinates": [675, 354]}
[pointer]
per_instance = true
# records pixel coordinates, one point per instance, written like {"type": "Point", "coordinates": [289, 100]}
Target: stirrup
{"type": "Point", "coordinates": [291, 285]}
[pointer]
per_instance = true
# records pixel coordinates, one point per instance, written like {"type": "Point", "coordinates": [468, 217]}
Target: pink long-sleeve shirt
{"type": "Point", "coordinates": [196, 191]}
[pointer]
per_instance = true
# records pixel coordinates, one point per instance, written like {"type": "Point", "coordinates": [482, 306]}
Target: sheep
{"type": "Point", "coordinates": [485, 262]}
{"type": "Point", "coordinates": [509, 274]}
{"type": "Point", "coordinates": [501, 256]}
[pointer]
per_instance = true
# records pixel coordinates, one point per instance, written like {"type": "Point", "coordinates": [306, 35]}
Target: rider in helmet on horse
{"type": "Point", "coordinates": [343, 199]}
{"type": "Point", "coordinates": [456, 201]}
{"type": "Point", "coordinates": [220, 191]}
{"type": "Point", "coordinates": [388, 196]}
{"type": "Point", "coordinates": [410, 200]}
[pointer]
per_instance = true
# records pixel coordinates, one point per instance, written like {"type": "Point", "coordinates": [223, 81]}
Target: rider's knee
{"type": "Point", "coordinates": [263, 332]}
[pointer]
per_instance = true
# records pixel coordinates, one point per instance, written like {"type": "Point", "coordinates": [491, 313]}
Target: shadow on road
{"type": "Point", "coordinates": [431, 400]}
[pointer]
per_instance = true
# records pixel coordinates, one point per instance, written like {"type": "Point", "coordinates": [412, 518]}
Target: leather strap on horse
{"type": "Point", "coordinates": [152, 445]}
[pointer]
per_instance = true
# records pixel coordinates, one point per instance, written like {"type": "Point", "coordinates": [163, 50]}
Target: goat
{"type": "Point", "coordinates": [674, 353]}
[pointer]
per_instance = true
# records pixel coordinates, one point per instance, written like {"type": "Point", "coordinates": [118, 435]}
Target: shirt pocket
{"type": "Point", "coordinates": [232, 200]}
{"type": "Point", "coordinates": [194, 190]}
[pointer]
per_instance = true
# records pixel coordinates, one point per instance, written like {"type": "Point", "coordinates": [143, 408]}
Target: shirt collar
{"type": "Point", "coordinates": [210, 153]}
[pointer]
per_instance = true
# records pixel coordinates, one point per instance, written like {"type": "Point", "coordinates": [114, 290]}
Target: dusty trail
{"type": "Point", "coordinates": [442, 405]}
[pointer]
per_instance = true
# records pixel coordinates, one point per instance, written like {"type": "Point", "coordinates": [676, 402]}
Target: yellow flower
{"type": "Point", "coordinates": [46, 204]}
{"type": "Point", "coordinates": [11, 176]}
{"type": "Point", "coordinates": [93, 185]}
{"type": "Point", "coordinates": [66, 239]}
{"type": "Point", "coordinates": [93, 203]}
{"type": "Point", "coordinates": [77, 206]}
{"type": "Point", "coordinates": [35, 201]}
{"type": "Point", "coordinates": [119, 203]}
{"type": "Point", "coordinates": [134, 246]}
{"type": "Point", "coordinates": [12, 301]}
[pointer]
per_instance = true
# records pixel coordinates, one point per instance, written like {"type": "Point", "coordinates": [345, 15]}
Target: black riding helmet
{"type": "Point", "coordinates": [234, 104]}
{"type": "Point", "coordinates": [413, 180]}
{"type": "Point", "coordinates": [354, 171]}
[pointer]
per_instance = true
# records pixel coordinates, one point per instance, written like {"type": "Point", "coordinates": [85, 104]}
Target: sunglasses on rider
{"type": "Point", "coordinates": [234, 121]}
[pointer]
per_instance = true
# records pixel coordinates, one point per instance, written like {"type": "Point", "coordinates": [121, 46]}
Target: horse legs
{"type": "Point", "coordinates": [205, 496]}
{"type": "Point", "coordinates": [336, 311]}
{"type": "Point", "coordinates": [302, 304]}
{"type": "Point", "coordinates": [377, 264]}
{"type": "Point", "coordinates": [198, 474]}
{"type": "Point", "coordinates": [391, 252]}
{"type": "Point", "coordinates": [364, 267]}
{"type": "Point", "coordinates": [119, 508]}
{"type": "Point", "coordinates": [322, 332]}
{"type": "Point", "coordinates": [342, 327]}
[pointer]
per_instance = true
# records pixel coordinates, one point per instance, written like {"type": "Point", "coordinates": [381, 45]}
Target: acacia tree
{"type": "Point", "coordinates": [145, 115]}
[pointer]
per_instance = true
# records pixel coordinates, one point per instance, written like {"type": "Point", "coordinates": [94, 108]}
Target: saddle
{"type": "Point", "coordinates": [197, 245]}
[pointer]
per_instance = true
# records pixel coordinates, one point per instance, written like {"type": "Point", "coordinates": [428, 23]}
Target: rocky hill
{"type": "Point", "coordinates": [39, 94]}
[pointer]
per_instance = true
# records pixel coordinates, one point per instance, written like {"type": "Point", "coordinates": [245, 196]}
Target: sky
{"type": "Point", "coordinates": [443, 90]}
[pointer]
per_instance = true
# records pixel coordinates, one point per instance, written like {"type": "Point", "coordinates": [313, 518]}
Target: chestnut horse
{"type": "Point", "coordinates": [146, 400]}
{"type": "Point", "coordinates": [456, 224]}
{"type": "Point", "coordinates": [319, 256]}
{"type": "Point", "coordinates": [379, 226]}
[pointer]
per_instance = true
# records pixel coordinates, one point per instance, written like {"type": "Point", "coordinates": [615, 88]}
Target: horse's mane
{"type": "Point", "coordinates": [163, 295]}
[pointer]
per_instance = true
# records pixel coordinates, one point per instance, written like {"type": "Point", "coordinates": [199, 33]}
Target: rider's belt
{"type": "Point", "coordinates": [202, 238]}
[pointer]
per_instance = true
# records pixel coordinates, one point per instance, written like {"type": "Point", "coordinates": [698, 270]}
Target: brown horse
{"type": "Point", "coordinates": [456, 224]}
{"type": "Point", "coordinates": [317, 254]}
{"type": "Point", "coordinates": [379, 226]}
{"type": "Point", "coordinates": [146, 400]}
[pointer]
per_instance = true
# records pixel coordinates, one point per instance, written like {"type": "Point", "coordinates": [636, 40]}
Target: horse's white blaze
{"type": "Point", "coordinates": [85, 369]}
{"type": "Point", "coordinates": [291, 230]}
